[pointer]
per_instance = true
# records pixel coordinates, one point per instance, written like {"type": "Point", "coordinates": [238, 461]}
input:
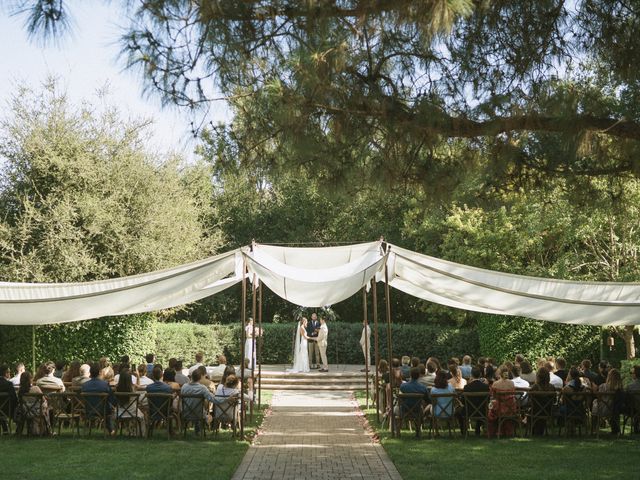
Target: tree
{"type": "Point", "coordinates": [81, 199]}
{"type": "Point", "coordinates": [400, 77]}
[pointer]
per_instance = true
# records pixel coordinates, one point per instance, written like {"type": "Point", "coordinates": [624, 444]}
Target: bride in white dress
{"type": "Point", "coordinates": [300, 352]}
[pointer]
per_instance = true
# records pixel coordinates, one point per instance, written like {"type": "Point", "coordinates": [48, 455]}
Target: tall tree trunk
{"type": "Point", "coordinates": [629, 342]}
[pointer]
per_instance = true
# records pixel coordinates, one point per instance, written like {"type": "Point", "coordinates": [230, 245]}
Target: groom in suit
{"type": "Point", "coordinates": [313, 327]}
{"type": "Point", "coordinates": [323, 333]}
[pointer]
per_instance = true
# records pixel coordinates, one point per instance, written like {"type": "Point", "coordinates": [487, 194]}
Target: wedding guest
{"type": "Point", "coordinates": [126, 404]}
{"type": "Point", "coordinates": [169, 377]}
{"type": "Point", "coordinates": [405, 369]}
{"type": "Point", "coordinates": [475, 385]}
{"type": "Point", "coordinates": [517, 380]}
{"type": "Point", "coordinates": [503, 403]}
{"type": "Point", "coordinates": [444, 407]}
{"type": "Point", "coordinates": [199, 360]}
{"type": "Point", "coordinates": [634, 386]}
{"type": "Point", "coordinates": [204, 380]}
{"type": "Point", "coordinates": [633, 390]}
{"type": "Point", "coordinates": [143, 380]}
{"type": "Point", "coordinates": [72, 372]}
{"type": "Point", "coordinates": [16, 378]}
{"type": "Point", "coordinates": [415, 361]}
{"type": "Point", "coordinates": [49, 381]}
{"type": "Point", "coordinates": [518, 359]}
{"type": "Point", "coordinates": [526, 372]}
{"type": "Point", "coordinates": [430, 376]}
{"type": "Point", "coordinates": [41, 426]}
{"type": "Point", "coordinates": [106, 370]}
{"type": "Point", "coordinates": [216, 372]}
{"type": "Point", "coordinates": [157, 385]}
{"type": "Point", "coordinates": [97, 385]}
{"type": "Point", "coordinates": [456, 380]}
{"type": "Point", "coordinates": [83, 376]}
{"type": "Point", "coordinates": [555, 380]}
{"type": "Point", "coordinates": [194, 387]}
{"type": "Point", "coordinates": [413, 386]}
{"type": "Point", "coordinates": [465, 368]}
{"type": "Point", "coordinates": [423, 376]}
{"type": "Point", "coordinates": [6, 386]}
{"type": "Point", "coordinates": [181, 378]}
{"type": "Point", "coordinates": [59, 371]}
{"type": "Point", "coordinates": [561, 369]}
{"type": "Point", "coordinates": [230, 370]}
{"type": "Point", "coordinates": [585, 366]}
{"type": "Point", "coordinates": [122, 368]}
{"type": "Point", "coordinates": [612, 411]}
{"type": "Point", "coordinates": [150, 358]}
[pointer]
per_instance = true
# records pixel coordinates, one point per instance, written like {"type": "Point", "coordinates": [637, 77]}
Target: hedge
{"type": "Point", "coordinates": [133, 335]}
{"type": "Point", "coordinates": [503, 337]}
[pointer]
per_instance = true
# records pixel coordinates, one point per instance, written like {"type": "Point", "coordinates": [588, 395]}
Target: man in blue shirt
{"type": "Point", "coordinates": [413, 386]}
{"type": "Point", "coordinates": [95, 385]}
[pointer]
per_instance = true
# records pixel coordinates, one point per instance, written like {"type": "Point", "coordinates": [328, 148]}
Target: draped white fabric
{"type": "Point", "coordinates": [315, 277]}
{"type": "Point", "coordinates": [469, 288]}
{"type": "Point", "coordinates": [43, 303]}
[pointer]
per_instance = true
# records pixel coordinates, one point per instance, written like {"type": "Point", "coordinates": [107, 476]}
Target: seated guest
{"type": "Point", "coordinates": [517, 380]}
{"type": "Point", "coordinates": [194, 387]}
{"type": "Point", "coordinates": [415, 361]}
{"type": "Point", "coordinates": [205, 381]}
{"type": "Point", "coordinates": [541, 385]}
{"type": "Point", "coordinates": [555, 380]}
{"type": "Point", "coordinates": [430, 376]}
{"type": "Point", "coordinates": [503, 403]}
{"type": "Point", "coordinates": [465, 368]}
{"type": "Point", "coordinates": [423, 376]}
{"type": "Point", "coordinates": [518, 359]}
{"type": "Point", "coordinates": [587, 373]}
{"type": "Point", "coordinates": [49, 381]}
{"type": "Point", "coordinates": [396, 372]}
{"type": "Point", "coordinates": [443, 407]}
{"type": "Point", "coordinates": [150, 358]}
{"type": "Point", "coordinates": [575, 406]}
{"type": "Point", "coordinates": [72, 372]}
{"type": "Point", "coordinates": [603, 373]}
{"type": "Point", "coordinates": [634, 386]}
{"type": "Point", "coordinates": [611, 411]}
{"type": "Point", "coordinates": [456, 380]}
{"type": "Point", "coordinates": [561, 369]}
{"type": "Point", "coordinates": [476, 385]}
{"type": "Point", "coordinates": [383, 371]}
{"type": "Point", "coordinates": [169, 377]}
{"type": "Point", "coordinates": [215, 373]}
{"type": "Point", "coordinates": [230, 370]}
{"type": "Point", "coordinates": [83, 375]}
{"type": "Point", "coordinates": [40, 372]}
{"type": "Point", "coordinates": [405, 369]}
{"type": "Point", "coordinates": [413, 386]}
{"type": "Point", "coordinates": [60, 368]}
{"type": "Point", "coordinates": [106, 370]}
{"type": "Point", "coordinates": [7, 408]}
{"type": "Point", "coordinates": [42, 425]}
{"type": "Point", "coordinates": [143, 381]}
{"type": "Point", "coordinates": [126, 404]}
{"type": "Point", "coordinates": [157, 385]}
{"type": "Point", "coordinates": [16, 378]}
{"type": "Point", "coordinates": [526, 372]}
{"type": "Point", "coordinates": [489, 374]}
{"type": "Point", "coordinates": [230, 388]}
{"type": "Point", "coordinates": [124, 366]}
{"type": "Point", "coordinates": [199, 359]}
{"type": "Point", "coordinates": [96, 385]}
{"type": "Point", "coordinates": [634, 398]}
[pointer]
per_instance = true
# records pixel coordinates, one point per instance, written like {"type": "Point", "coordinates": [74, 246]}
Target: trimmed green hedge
{"type": "Point", "coordinates": [503, 337]}
{"type": "Point", "coordinates": [133, 335]}
{"type": "Point", "coordinates": [625, 370]}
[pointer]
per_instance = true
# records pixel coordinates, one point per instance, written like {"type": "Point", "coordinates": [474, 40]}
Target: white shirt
{"type": "Point", "coordinates": [134, 378]}
{"type": "Point", "coordinates": [16, 380]}
{"type": "Point", "coordinates": [194, 367]}
{"type": "Point", "coordinates": [521, 382]}
{"type": "Point", "coordinates": [144, 381]}
{"type": "Point", "coordinates": [215, 373]}
{"type": "Point", "coordinates": [556, 381]}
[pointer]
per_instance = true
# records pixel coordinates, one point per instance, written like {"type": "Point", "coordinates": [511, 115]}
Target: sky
{"type": "Point", "coordinates": [84, 63]}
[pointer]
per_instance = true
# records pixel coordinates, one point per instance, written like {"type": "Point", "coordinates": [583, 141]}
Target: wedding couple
{"type": "Point", "coordinates": [301, 351]}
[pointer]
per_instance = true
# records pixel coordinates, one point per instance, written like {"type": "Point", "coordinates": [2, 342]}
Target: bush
{"type": "Point", "coordinates": [133, 335]}
{"type": "Point", "coordinates": [625, 370]}
{"type": "Point", "coordinates": [503, 337]}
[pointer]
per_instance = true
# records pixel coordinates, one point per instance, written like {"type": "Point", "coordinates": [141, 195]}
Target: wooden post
{"type": "Point", "coordinates": [389, 344]}
{"type": "Point", "coordinates": [33, 350]}
{"type": "Point", "coordinates": [260, 345]}
{"type": "Point", "coordinates": [374, 288]}
{"type": "Point", "coordinates": [366, 342]}
{"type": "Point", "coordinates": [252, 363]}
{"type": "Point", "coordinates": [242, 340]}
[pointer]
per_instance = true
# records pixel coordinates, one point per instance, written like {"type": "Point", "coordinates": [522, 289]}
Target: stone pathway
{"type": "Point", "coordinates": [315, 435]}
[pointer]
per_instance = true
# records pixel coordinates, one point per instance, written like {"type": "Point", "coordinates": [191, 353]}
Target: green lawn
{"type": "Point", "coordinates": [65, 458]}
{"type": "Point", "coordinates": [509, 459]}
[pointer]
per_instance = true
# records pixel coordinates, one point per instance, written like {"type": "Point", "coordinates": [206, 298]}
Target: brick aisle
{"type": "Point", "coordinates": [314, 435]}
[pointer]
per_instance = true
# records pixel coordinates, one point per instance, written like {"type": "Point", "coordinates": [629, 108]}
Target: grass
{"type": "Point", "coordinates": [65, 458]}
{"type": "Point", "coordinates": [548, 458]}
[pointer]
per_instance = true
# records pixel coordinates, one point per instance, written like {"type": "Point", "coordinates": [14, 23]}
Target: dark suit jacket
{"type": "Point", "coordinates": [7, 387]}
{"type": "Point", "coordinates": [311, 327]}
{"type": "Point", "coordinates": [475, 386]}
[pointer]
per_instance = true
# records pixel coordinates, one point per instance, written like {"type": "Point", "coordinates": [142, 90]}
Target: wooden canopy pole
{"type": "Point", "coordinates": [260, 345]}
{"type": "Point", "coordinates": [252, 362]}
{"type": "Point", "coordinates": [366, 342]}
{"type": "Point", "coordinates": [242, 340]}
{"type": "Point", "coordinates": [374, 289]}
{"type": "Point", "coordinates": [389, 343]}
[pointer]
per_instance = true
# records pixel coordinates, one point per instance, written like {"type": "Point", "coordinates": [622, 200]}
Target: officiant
{"type": "Point", "coordinates": [313, 327]}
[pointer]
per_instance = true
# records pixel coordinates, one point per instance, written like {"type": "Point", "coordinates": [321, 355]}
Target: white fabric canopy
{"type": "Point", "coordinates": [43, 303]}
{"type": "Point", "coordinates": [476, 289]}
{"type": "Point", "coordinates": [315, 277]}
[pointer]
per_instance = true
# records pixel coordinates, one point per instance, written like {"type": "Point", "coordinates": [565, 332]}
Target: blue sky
{"type": "Point", "coordinates": [86, 62]}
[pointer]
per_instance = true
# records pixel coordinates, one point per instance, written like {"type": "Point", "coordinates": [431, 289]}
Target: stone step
{"type": "Point", "coordinates": [314, 374]}
{"type": "Point", "coordinates": [311, 381]}
{"type": "Point", "coordinates": [341, 387]}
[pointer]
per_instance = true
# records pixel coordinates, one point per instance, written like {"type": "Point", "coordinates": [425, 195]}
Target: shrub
{"type": "Point", "coordinates": [625, 370]}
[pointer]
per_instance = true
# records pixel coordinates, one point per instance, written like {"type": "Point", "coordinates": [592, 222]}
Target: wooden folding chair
{"type": "Point", "coordinates": [607, 406]}
{"type": "Point", "coordinates": [6, 411]}
{"type": "Point", "coordinates": [508, 410]}
{"type": "Point", "coordinates": [541, 412]}
{"type": "Point", "coordinates": [574, 411]}
{"type": "Point", "coordinates": [476, 408]}
{"type": "Point", "coordinates": [66, 407]}
{"type": "Point", "coordinates": [160, 412]}
{"type": "Point", "coordinates": [33, 412]}
{"type": "Point", "coordinates": [443, 412]}
{"type": "Point", "coordinates": [193, 411]}
{"type": "Point", "coordinates": [127, 409]}
{"type": "Point", "coordinates": [226, 412]}
{"type": "Point", "coordinates": [632, 412]}
{"type": "Point", "coordinates": [96, 409]}
{"type": "Point", "coordinates": [410, 408]}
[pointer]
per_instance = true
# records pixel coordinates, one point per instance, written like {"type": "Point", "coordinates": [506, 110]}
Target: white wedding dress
{"type": "Point", "coordinates": [300, 353]}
